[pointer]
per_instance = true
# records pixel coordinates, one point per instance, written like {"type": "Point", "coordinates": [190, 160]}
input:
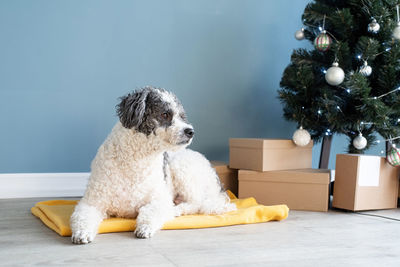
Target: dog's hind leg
{"type": "Point", "coordinates": [85, 221]}
{"type": "Point", "coordinates": [152, 217]}
{"type": "Point", "coordinates": [186, 208]}
{"type": "Point", "coordinates": [217, 205]}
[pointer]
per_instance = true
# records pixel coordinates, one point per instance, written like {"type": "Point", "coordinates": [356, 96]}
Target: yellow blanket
{"type": "Point", "coordinates": [56, 213]}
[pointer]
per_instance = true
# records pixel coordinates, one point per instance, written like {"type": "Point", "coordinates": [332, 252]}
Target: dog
{"type": "Point", "coordinates": [196, 185]}
{"type": "Point", "coordinates": [144, 171]}
{"type": "Point", "coordinates": [128, 174]}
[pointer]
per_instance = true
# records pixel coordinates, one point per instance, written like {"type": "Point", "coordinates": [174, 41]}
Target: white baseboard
{"type": "Point", "coordinates": [24, 185]}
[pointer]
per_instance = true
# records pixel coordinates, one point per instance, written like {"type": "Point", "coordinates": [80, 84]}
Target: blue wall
{"type": "Point", "coordinates": [63, 65]}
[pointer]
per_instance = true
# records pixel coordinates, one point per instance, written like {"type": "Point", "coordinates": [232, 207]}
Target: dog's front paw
{"type": "Point", "coordinates": [144, 231]}
{"type": "Point", "coordinates": [177, 211]}
{"type": "Point", "coordinates": [82, 237]}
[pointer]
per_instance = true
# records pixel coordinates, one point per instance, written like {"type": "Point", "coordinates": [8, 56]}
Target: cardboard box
{"type": "Point", "coordinates": [227, 176]}
{"type": "Point", "coordinates": [268, 154]}
{"type": "Point", "coordinates": [303, 189]}
{"type": "Point", "coordinates": [364, 182]}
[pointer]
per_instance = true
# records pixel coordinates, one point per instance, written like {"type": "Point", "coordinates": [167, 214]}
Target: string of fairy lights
{"type": "Point", "coordinates": [335, 75]}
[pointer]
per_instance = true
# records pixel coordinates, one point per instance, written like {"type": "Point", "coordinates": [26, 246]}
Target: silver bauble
{"type": "Point", "coordinates": [396, 32]}
{"type": "Point", "coordinates": [366, 70]}
{"type": "Point", "coordinates": [334, 75]}
{"type": "Point", "coordinates": [360, 142]}
{"type": "Point", "coordinates": [299, 34]}
{"type": "Point", "coordinates": [373, 26]}
{"type": "Point", "coordinates": [301, 137]}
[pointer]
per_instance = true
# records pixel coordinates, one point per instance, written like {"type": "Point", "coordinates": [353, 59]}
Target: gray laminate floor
{"type": "Point", "coordinates": [304, 239]}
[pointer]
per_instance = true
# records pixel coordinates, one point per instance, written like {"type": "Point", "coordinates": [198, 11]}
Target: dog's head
{"type": "Point", "coordinates": [156, 111]}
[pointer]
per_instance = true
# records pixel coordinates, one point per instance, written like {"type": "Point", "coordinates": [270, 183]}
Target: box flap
{"type": "Point", "coordinates": [358, 155]}
{"type": "Point", "coordinates": [306, 176]}
{"type": "Point", "coordinates": [259, 143]}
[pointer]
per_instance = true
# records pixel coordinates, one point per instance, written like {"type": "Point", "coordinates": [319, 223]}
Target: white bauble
{"type": "Point", "coordinates": [334, 75]}
{"type": "Point", "coordinates": [396, 32]}
{"type": "Point", "coordinates": [374, 26]}
{"type": "Point", "coordinates": [301, 137]}
{"type": "Point", "coordinates": [360, 142]}
{"type": "Point", "coordinates": [299, 34]}
{"type": "Point", "coordinates": [366, 70]}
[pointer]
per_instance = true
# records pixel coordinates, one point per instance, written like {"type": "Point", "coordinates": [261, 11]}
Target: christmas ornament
{"type": "Point", "coordinates": [301, 137]}
{"type": "Point", "coordinates": [299, 35]}
{"type": "Point", "coordinates": [396, 32]}
{"type": "Point", "coordinates": [323, 41]}
{"type": "Point", "coordinates": [393, 156]}
{"type": "Point", "coordinates": [365, 69]}
{"type": "Point", "coordinates": [360, 142]}
{"type": "Point", "coordinates": [334, 75]}
{"type": "Point", "coordinates": [373, 26]}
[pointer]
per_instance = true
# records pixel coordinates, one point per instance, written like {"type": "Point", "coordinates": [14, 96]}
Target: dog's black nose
{"type": "Point", "coordinates": [189, 132]}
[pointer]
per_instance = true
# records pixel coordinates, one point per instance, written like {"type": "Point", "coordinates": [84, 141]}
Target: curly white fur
{"type": "Point", "coordinates": [196, 185]}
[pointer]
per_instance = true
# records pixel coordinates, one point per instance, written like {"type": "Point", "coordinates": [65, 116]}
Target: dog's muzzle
{"type": "Point", "coordinates": [187, 136]}
{"type": "Point", "coordinates": [189, 132]}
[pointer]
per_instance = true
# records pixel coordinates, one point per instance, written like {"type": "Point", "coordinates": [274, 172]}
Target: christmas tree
{"type": "Point", "coordinates": [350, 82]}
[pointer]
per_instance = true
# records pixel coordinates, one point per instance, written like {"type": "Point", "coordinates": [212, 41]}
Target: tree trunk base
{"type": "Point", "coordinates": [325, 152]}
{"type": "Point", "coordinates": [324, 159]}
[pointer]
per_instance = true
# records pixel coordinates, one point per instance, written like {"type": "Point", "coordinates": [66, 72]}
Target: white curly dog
{"type": "Point", "coordinates": [144, 171]}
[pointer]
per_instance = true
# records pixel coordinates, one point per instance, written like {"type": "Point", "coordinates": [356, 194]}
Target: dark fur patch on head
{"type": "Point", "coordinates": [155, 108]}
{"type": "Point", "coordinates": [132, 107]}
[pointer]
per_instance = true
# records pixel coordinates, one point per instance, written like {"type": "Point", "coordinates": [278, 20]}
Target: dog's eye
{"type": "Point", "coordinates": [165, 115]}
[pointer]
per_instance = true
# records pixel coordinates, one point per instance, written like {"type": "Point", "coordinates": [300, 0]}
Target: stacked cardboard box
{"type": "Point", "coordinates": [279, 172]}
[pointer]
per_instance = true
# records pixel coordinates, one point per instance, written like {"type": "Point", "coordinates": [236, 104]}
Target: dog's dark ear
{"type": "Point", "coordinates": [131, 109]}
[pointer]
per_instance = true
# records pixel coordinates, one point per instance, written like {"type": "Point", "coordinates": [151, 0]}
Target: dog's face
{"type": "Point", "coordinates": [156, 111]}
